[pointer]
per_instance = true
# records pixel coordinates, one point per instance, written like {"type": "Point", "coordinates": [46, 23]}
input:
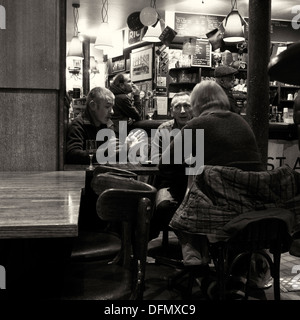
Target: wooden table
{"type": "Point", "coordinates": [135, 168]}
{"type": "Point", "coordinates": [40, 204]}
{"type": "Point", "coordinates": [138, 169]}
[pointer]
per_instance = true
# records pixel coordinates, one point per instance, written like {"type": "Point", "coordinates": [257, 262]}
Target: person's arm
{"type": "Point", "coordinates": [76, 152]}
{"type": "Point", "coordinates": [136, 99]}
{"type": "Point", "coordinates": [233, 103]}
{"type": "Point", "coordinates": [129, 109]}
{"type": "Point", "coordinates": [173, 175]}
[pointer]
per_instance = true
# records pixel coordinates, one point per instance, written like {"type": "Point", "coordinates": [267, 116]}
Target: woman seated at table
{"type": "Point", "coordinates": [227, 139]}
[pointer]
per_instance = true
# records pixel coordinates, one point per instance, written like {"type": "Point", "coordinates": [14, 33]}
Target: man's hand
{"type": "Point", "coordinates": [135, 89]}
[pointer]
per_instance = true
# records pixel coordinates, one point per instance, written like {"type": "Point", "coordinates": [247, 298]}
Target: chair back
{"type": "Point", "coordinates": [130, 202]}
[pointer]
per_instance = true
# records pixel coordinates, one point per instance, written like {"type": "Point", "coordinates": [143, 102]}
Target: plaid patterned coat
{"type": "Point", "coordinates": [220, 193]}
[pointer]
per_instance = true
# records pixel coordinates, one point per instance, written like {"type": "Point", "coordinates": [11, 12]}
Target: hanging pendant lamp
{"type": "Point", "coordinates": [75, 47]}
{"type": "Point", "coordinates": [153, 33]}
{"type": "Point", "coordinates": [104, 38]}
{"type": "Point", "coordinates": [234, 26]}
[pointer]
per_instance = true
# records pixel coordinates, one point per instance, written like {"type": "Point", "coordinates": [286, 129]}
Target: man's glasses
{"type": "Point", "coordinates": [178, 107]}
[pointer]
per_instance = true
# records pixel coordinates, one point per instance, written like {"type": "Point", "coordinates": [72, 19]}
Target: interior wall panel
{"type": "Point", "coordinates": [28, 130]}
{"type": "Point", "coordinates": [29, 52]}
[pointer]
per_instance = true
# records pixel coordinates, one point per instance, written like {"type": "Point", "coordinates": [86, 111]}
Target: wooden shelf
{"type": "Point", "coordinates": [290, 87]}
{"type": "Point", "coordinates": [182, 83]}
{"type": "Point", "coordinates": [182, 68]}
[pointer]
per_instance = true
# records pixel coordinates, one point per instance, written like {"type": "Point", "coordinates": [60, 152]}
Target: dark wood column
{"type": "Point", "coordinates": [258, 79]}
{"type": "Point", "coordinates": [86, 67]}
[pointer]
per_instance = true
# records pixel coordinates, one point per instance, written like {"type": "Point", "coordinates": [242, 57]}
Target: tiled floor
{"type": "Point", "coordinates": [158, 287]}
{"type": "Point", "coordinates": [290, 277]}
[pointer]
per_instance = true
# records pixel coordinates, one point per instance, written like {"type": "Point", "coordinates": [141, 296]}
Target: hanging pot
{"type": "Point", "coordinates": [133, 21]}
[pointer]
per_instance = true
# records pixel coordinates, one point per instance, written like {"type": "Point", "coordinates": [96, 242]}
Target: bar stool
{"type": "Point", "coordinates": [129, 202]}
{"type": "Point", "coordinates": [95, 242]}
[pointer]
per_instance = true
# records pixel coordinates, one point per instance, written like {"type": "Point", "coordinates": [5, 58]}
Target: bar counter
{"type": "Point", "coordinates": [277, 130]}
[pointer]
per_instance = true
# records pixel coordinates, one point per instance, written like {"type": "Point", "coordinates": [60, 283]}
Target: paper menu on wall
{"type": "Point", "coordinates": [162, 105]}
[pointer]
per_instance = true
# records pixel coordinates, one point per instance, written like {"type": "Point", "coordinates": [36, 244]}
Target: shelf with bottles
{"type": "Point", "coordinates": [281, 114]}
{"type": "Point", "coordinates": [184, 76]}
{"type": "Point", "coordinates": [77, 106]}
{"type": "Point", "coordinates": [283, 95]}
{"type": "Point", "coordinates": [288, 93]}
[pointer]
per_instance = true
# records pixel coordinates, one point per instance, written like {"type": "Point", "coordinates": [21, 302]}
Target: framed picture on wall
{"type": "Point", "coordinates": [118, 64]}
{"type": "Point", "coordinates": [141, 63]}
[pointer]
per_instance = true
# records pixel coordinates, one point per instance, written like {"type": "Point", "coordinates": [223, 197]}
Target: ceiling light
{"type": "Point", "coordinates": [234, 26]}
{"type": "Point", "coordinates": [75, 47]}
{"type": "Point", "coordinates": [104, 38]}
{"type": "Point", "coordinates": [153, 33]}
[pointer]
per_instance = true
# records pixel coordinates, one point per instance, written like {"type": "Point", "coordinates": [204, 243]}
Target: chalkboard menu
{"type": "Point", "coordinates": [202, 56]}
{"type": "Point", "coordinates": [283, 31]}
{"type": "Point", "coordinates": [196, 25]}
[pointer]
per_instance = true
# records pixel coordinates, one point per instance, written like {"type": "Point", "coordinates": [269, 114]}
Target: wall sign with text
{"type": "Point", "coordinates": [132, 38]}
{"type": "Point", "coordinates": [202, 57]}
{"type": "Point", "coordinates": [197, 25]}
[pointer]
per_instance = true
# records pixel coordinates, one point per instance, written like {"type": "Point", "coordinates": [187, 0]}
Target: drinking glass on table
{"type": "Point", "coordinates": [91, 146]}
{"type": "Point", "coordinates": [150, 111]}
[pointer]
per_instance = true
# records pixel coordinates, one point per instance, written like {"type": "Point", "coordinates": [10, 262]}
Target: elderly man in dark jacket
{"type": "Point", "coordinates": [225, 78]}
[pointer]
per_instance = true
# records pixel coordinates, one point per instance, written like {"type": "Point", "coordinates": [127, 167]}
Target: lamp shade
{"type": "Point", "coordinates": [104, 38]}
{"type": "Point", "coordinates": [234, 31]}
{"type": "Point", "coordinates": [285, 67]}
{"type": "Point", "coordinates": [148, 16]}
{"type": "Point", "coordinates": [75, 49]}
{"type": "Point", "coordinates": [153, 33]}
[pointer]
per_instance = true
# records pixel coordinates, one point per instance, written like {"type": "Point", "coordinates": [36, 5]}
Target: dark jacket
{"type": "Point", "coordinates": [124, 108]}
{"type": "Point", "coordinates": [228, 138]}
{"type": "Point", "coordinates": [220, 194]}
{"type": "Point", "coordinates": [81, 129]}
{"type": "Point", "coordinates": [233, 104]}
